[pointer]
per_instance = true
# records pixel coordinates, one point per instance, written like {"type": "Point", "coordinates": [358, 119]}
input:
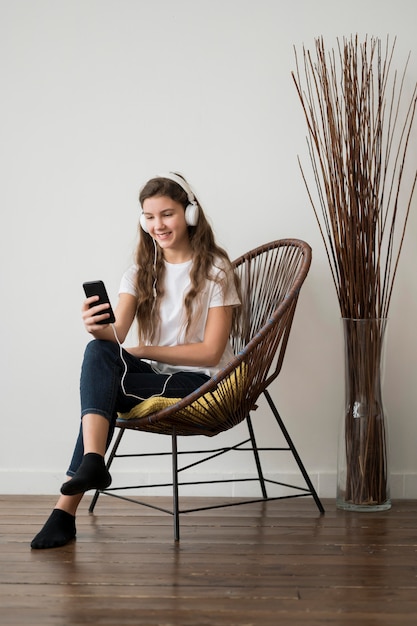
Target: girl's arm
{"type": "Point", "coordinates": [206, 353]}
{"type": "Point", "coordinates": [124, 313]}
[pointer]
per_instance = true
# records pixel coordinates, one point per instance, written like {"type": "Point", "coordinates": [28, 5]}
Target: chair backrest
{"type": "Point", "coordinates": [271, 277]}
{"type": "Point", "coordinates": [268, 274]}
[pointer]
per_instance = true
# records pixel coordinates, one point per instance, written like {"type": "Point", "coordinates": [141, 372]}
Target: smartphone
{"type": "Point", "coordinates": [97, 288]}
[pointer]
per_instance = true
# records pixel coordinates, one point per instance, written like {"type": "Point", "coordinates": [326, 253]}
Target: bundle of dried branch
{"type": "Point", "coordinates": [358, 149]}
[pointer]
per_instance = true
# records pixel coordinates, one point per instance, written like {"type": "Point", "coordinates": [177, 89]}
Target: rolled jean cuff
{"type": "Point", "coordinates": [104, 414]}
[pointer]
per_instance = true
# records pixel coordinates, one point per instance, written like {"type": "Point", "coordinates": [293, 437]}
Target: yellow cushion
{"type": "Point", "coordinates": [217, 397]}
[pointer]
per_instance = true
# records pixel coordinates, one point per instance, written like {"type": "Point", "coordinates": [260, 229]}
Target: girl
{"type": "Point", "coordinates": [184, 296]}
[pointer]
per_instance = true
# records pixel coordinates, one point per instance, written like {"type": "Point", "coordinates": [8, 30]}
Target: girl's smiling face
{"type": "Point", "coordinates": [165, 221]}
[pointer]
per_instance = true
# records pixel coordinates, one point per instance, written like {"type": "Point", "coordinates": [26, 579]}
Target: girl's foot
{"type": "Point", "coordinates": [92, 474]}
{"type": "Point", "coordinates": [58, 530]}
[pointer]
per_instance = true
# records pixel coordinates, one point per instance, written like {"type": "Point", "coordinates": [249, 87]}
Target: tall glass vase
{"type": "Point", "coordinates": [363, 454]}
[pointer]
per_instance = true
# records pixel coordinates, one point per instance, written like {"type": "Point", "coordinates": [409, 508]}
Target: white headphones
{"type": "Point", "coordinates": [191, 210]}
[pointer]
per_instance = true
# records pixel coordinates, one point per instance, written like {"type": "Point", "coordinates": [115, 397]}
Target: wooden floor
{"type": "Point", "coordinates": [267, 564]}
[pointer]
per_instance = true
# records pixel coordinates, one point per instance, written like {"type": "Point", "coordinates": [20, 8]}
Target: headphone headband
{"type": "Point", "coordinates": [181, 182]}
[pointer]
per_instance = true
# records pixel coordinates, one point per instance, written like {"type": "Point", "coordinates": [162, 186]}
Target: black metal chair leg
{"type": "Point", "coordinates": [294, 452]}
{"type": "Point", "coordinates": [176, 512]}
{"type": "Point", "coordinates": [108, 464]}
{"type": "Point", "coordinates": [257, 459]}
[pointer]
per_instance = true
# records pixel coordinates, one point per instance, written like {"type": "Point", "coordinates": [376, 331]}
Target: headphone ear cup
{"type": "Point", "coordinates": [142, 220]}
{"type": "Point", "coordinates": [191, 214]}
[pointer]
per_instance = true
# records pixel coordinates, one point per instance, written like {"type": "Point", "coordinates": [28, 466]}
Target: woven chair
{"type": "Point", "coordinates": [271, 278]}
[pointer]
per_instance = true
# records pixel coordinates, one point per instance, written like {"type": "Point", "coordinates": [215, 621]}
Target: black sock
{"type": "Point", "coordinates": [58, 530]}
{"type": "Point", "coordinates": [92, 474]}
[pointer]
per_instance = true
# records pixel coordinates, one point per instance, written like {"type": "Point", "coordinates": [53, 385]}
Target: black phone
{"type": "Point", "coordinates": [97, 288]}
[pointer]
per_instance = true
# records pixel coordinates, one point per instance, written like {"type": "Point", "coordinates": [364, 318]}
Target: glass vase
{"type": "Point", "coordinates": [363, 451]}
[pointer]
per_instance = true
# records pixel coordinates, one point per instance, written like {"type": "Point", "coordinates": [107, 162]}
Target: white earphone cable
{"type": "Point", "coordinates": [122, 381]}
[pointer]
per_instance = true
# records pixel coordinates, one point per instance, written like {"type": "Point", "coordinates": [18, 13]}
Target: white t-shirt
{"type": "Point", "coordinates": [172, 331]}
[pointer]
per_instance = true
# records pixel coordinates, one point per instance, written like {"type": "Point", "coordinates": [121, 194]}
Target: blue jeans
{"type": "Point", "coordinates": [101, 391]}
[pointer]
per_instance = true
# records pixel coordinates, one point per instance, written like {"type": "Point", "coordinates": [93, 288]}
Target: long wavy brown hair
{"type": "Point", "coordinates": [206, 255]}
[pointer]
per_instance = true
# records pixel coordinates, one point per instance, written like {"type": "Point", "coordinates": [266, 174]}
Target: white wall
{"type": "Point", "coordinates": [98, 95]}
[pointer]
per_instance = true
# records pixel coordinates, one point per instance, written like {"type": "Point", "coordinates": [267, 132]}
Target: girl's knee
{"type": "Point", "coordinates": [99, 348]}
